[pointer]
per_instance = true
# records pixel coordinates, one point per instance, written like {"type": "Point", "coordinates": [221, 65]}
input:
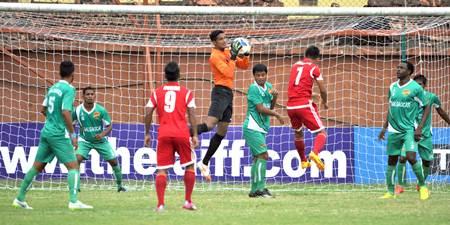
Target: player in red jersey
{"type": "Point", "coordinates": [171, 102]}
{"type": "Point", "coordinates": [301, 109]}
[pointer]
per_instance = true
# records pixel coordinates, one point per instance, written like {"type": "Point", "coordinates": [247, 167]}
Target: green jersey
{"type": "Point", "coordinates": [404, 105]}
{"type": "Point", "coordinates": [91, 122]}
{"type": "Point", "coordinates": [434, 101]}
{"type": "Point", "coordinates": [258, 95]}
{"type": "Point", "coordinates": [59, 97]}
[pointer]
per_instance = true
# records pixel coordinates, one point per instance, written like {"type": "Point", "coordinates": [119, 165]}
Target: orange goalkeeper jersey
{"type": "Point", "coordinates": [223, 67]}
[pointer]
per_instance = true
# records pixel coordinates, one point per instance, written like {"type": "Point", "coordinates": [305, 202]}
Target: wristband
{"type": "Point", "coordinates": [73, 135]}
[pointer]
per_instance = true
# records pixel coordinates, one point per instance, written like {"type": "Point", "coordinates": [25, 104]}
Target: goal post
{"type": "Point", "coordinates": [121, 52]}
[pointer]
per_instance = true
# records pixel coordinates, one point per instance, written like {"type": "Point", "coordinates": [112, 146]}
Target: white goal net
{"type": "Point", "coordinates": [122, 55]}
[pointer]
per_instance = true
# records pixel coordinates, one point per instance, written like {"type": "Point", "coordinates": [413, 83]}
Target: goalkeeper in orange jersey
{"type": "Point", "coordinates": [223, 62]}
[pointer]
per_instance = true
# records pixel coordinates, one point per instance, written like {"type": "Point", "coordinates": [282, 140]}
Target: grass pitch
{"type": "Point", "coordinates": [228, 207]}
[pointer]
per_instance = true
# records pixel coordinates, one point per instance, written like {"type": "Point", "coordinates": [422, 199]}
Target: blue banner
{"type": "Point", "coordinates": [371, 158]}
{"type": "Point", "coordinates": [231, 162]}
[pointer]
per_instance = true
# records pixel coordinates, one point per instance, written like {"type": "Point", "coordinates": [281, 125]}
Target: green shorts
{"type": "Point", "coordinates": [400, 143]}
{"type": "Point", "coordinates": [256, 141]}
{"type": "Point", "coordinates": [426, 149]}
{"type": "Point", "coordinates": [51, 146]}
{"type": "Point", "coordinates": [104, 149]}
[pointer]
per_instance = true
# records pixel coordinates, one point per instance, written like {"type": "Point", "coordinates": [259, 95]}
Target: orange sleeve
{"type": "Point", "coordinates": [224, 69]}
{"type": "Point", "coordinates": [243, 63]}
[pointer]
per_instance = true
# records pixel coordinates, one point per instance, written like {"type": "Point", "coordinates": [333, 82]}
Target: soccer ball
{"type": "Point", "coordinates": [246, 46]}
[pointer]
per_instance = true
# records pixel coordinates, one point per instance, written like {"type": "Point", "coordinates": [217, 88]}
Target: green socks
{"type": "Point", "coordinates": [258, 175]}
{"type": "Point", "coordinates": [401, 174]}
{"type": "Point", "coordinates": [118, 175]}
{"type": "Point", "coordinates": [73, 178]}
{"type": "Point", "coordinates": [390, 178]}
{"type": "Point", "coordinates": [261, 165]}
{"type": "Point", "coordinates": [253, 178]}
{"type": "Point", "coordinates": [426, 172]}
{"type": "Point", "coordinates": [26, 183]}
{"type": "Point", "coordinates": [418, 170]}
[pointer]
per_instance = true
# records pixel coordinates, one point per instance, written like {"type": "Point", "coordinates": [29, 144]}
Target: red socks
{"type": "Point", "coordinates": [189, 181]}
{"type": "Point", "coordinates": [160, 184]}
{"type": "Point", "coordinates": [321, 138]}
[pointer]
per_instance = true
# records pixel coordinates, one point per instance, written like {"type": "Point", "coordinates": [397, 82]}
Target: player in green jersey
{"type": "Point", "coordinates": [261, 100]}
{"type": "Point", "coordinates": [425, 146]}
{"type": "Point", "coordinates": [95, 125]}
{"type": "Point", "coordinates": [406, 98]}
{"type": "Point", "coordinates": [55, 139]}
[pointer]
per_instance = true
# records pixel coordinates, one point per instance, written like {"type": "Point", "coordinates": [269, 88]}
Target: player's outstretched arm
{"type": "Point", "coordinates": [193, 121]}
{"type": "Point", "coordinates": [443, 115]}
{"type": "Point", "coordinates": [323, 93]}
{"type": "Point", "coordinates": [148, 122]}
{"type": "Point", "coordinates": [261, 109]}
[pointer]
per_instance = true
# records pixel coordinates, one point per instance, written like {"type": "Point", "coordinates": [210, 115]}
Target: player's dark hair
{"type": "Point", "coordinates": [259, 68]}
{"type": "Point", "coordinates": [421, 78]}
{"type": "Point", "coordinates": [172, 71]}
{"type": "Point", "coordinates": [214, 34]}
{"type": "Point", "coordinates": [312, 52]}
{"type": "Point", "coordinates": [410, 67]}
{"type": "Point", "coordinates": [66, 68]}
{"type": "Point", "coordinates": [87, 89]}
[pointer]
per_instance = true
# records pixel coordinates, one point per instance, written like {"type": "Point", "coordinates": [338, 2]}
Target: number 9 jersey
{"type": "Point", "coordinates": [171, 102]}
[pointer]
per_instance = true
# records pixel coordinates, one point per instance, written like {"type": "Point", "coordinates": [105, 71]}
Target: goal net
{"type": "Point", "coordinates": [122, 55]}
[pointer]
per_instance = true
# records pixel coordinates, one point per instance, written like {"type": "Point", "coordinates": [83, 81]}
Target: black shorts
{"type": "Point", "coordinates": [221, 103]}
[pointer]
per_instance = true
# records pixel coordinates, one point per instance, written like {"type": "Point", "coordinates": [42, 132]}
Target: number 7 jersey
{"type": "Point", "coordinates": [171, 102]}
{"type": "Point", "coordinates": [301, 80]}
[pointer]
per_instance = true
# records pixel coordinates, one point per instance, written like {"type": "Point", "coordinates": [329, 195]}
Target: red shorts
{"type": "Point", "coordinates": [165, 153]}
{"type": "Point", "coordinates": [305, 115]}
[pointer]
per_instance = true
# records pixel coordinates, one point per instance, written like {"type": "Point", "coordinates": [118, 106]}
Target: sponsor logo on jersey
{"type": "Point", "coordinates": [93, 129]}
{"type": "Point", "coordinates": [400, 104]}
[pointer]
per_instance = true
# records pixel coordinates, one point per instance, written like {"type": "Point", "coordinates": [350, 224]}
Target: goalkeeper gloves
{"type": "Point", "coordinates": [235, 47]}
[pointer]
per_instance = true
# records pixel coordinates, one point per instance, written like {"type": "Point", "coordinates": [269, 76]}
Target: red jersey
{"type": "Point", "coordinates": [171, 102]}
{"type": "Point", "coordinates": [303, 74]}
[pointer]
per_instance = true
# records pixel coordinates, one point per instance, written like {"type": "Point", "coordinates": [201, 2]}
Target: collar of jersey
{"type": "Point", "coordinates": [172, 83]}
{"type": "Point", "coordinates": [259, 87]}
{"type": "Point", "coordinates": [64, 81]}
{"type": "Point", "coordinates": [402, 86]}
{"type": "Point", "coordinates": [92, 110]}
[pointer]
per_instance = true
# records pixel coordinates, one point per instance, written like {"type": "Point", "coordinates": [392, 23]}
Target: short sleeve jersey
{"type": "Point", "coordinates": [405, 103]}
{"type": "Point", "coordinates": [301, 81]}
{"type": "Point", "coordinates": [59, 97]}
{"type": "Point", "coordinates": [258, 95]}
{"type": "Point", "coordinates": [171, 102]}
{"type": "Point", "coordinates": [91, 122]}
